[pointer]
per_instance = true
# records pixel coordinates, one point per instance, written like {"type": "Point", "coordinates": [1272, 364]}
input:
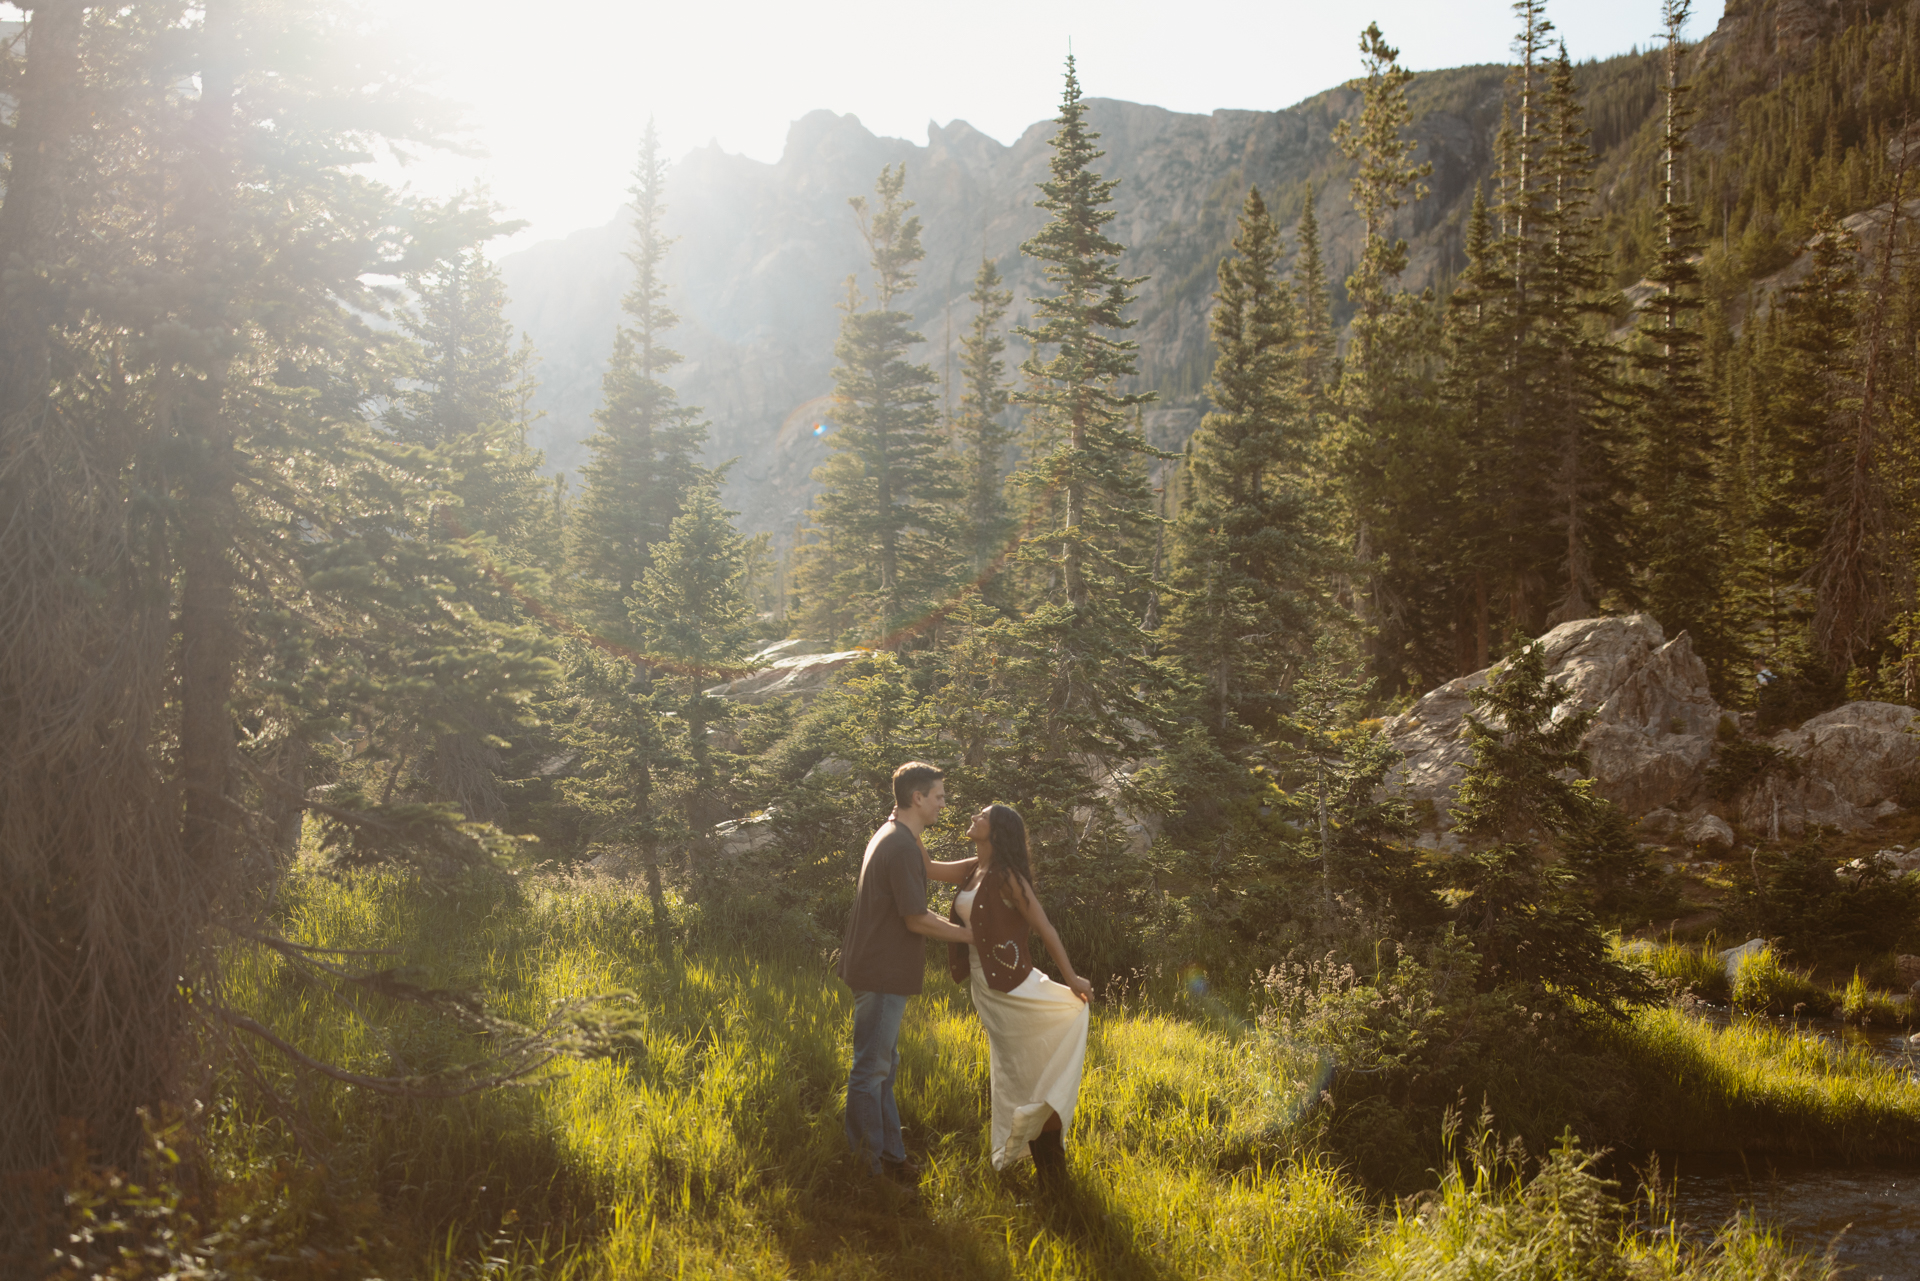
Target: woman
{"type": "Point", "coordinates": [1036, 1028]}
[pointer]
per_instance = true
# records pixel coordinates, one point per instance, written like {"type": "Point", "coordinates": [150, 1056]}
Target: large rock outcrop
{"type": "Point", "coordinates": [1652, 736]}
{"type": "Point", "coordinates": [798, 667]}
{"type": "Point", "coordinates": [1843, 768]}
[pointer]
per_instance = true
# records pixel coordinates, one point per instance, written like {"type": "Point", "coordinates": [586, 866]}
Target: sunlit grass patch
{"type": "Point", "coordinates": [1694, 968]}
{"type": "Point", "coordinates": [1764, 984]}
{"type": "Point", "coordinates": [1760, 1086]}
{"type": "Point", "coordinates": [1866, 1006]}
{"type": "Point", "coordinates": [708, 1142]}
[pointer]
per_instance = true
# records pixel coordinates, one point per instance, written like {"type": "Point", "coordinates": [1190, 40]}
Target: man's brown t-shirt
{"type": "Point", "coordinates": [879, 953]}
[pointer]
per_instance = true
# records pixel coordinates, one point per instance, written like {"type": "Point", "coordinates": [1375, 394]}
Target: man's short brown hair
{"type": "Point", "coordinates": [912, 779]}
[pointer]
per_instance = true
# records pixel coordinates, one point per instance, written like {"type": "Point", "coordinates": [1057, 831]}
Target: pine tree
{"type": "Point", "coordinates": [1679, 536]}
{"type": "Point", "coordinates": [613, 719]}
{"type": "Point", "coordinates": [1522, 192]}
{"type": "Point", "coordinates": [469, 404]}
{"type": "Point", "coordinates": [1797, 360]}
{"type": "Point", "coordinates": [1850, 585]}
{"type": "Point", "coordinates": [1249, 553]}
{"type": "Point", "coordinates": [1475, 386]}
{"type": "Point", "coordinates": [469, 399]}
{"type": "Point", "coordinates": [1579, 385]}
{"type": "Point", "coordinates": [1384, 181]}
{"type": "Point", "coordinates": [691, 613]}
{"type": "Point", "coordinates": [1389, 450]}
{"type": "Point", "coordinates": [1519, 805]}
{"type": "Point", "coordinates": [1511, 508]}
{"type": "Point", "coordinates": [1085, 618]}
{"type": "Point", "coordinates": [1315, 348]}
{"type": "Point", "coordinates": [217, 568]}
{"type": "Point", "coordinates": [881, 509]}
{"type": "Point", "coordinates": [1349, 823]}
{"type": "Point", "coordinates": [1528, 371]}
{"type": "Point", "coordinates": [645, 451]}
{"type": "Point", "coordinates": [982, 432]}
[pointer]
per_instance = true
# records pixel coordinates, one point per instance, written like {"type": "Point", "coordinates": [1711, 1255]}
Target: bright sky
{"type": "Point", "coordinates": [558, 93]}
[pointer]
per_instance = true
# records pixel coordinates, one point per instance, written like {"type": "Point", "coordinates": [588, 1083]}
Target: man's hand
{"type": "Point", "coordinates": [938, 927]}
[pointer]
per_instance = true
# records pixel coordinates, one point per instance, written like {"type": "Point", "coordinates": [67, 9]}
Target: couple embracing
{"type": "Point", "coordinates": [1036, 1028]}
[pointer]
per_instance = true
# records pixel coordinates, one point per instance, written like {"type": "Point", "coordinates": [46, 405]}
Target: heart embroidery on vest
{"type": "Point", "coordinates": [1001, 958]}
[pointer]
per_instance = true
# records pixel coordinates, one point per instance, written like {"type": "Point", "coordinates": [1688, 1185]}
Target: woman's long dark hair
{"type": "Point", "coordinates": [1008, 832]}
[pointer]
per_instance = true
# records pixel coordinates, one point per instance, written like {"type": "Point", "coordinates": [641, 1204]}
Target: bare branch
{"type": "Point", "coordinates": [402, 1087]}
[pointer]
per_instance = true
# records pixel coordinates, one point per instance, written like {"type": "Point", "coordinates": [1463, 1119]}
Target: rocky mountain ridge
{"type": "Point", "coordinates": [763, 253]}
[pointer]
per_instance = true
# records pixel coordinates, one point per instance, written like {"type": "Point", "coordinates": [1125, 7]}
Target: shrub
{"type": "Point", "coordinates": [1411, 1042]}
{"type": "Point", "coordinates": [1614, 869]}
{"type": "Point", "coordinates": [1740, 763]}
{"type": "Point", "coordinates": [1488, 1219]}
{"type": "Point", "coordinates": [1794, 895]}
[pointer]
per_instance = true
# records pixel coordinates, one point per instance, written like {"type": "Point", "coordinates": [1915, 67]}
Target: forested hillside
{"type": "Point", "coordinates": [420, 866]}
{"type": "Point", "coordinates": [763, 249]}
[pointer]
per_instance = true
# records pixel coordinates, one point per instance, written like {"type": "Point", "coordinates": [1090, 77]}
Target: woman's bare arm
{"type": "Point", "coordinates": [954, 873]}
{"type": "Point", "coordinates": [1036, 915]}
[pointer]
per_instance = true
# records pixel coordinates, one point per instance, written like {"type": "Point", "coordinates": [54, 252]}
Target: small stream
{"type": "Point", "coordinates": [1868, 1216]}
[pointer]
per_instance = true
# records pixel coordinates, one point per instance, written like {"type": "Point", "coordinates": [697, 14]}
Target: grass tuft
{"type": "Point", "coordinates": [1763, 984]}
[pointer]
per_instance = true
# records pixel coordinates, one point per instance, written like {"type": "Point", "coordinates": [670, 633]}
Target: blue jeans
{"type": "Point", "coordinates": [873, 1119]}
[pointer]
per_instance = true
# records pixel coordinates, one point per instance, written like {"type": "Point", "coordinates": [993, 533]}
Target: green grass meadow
{"type": "Point", "coordinates": [707, 1141]}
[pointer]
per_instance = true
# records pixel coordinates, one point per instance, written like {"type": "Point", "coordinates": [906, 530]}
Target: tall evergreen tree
{"type": "Point", "coordinates": [1681, 569]}
{"type": "Point", "coordinates": [881, 510]}
{"type": "Point", "coordinates": [1522, 192]}
{"type": "Point", "coordinates": [1249, 551]}
{"type": "Point", "coordinates": [1797, 363]}
{"type": "Point", "coordinates": [982, 431]}
{"type": "Point", "coordinates": [469, 399]}
{"type": "Point", "coordinates": [644, 455]}
{"type": "Point", "coordinates": [1389, 449]}
{"type": "Point", "coordinates": [208, 554]}
{"type": "Point", "coordinates": [1086, 616]}
{"type": "Point", "coordinates": [1384, 180]}
{"type": "Point", "coordinates": [1578, 387]}
{"type": "Point", "coordinates": [692, 614]}
{"type": "Point", "coordinates": [1315, 347]}
{"type": "Point", "coordinates": [1528, 372]}
{"type": "Point", "coordinates": [468, 403]}
{"type": "Point", "coordinates": [1851, 589]}
{"type": "Point", "coordinates": [1475, 387]}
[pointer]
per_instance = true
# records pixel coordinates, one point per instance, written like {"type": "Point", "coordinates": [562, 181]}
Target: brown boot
{"type": "Point", "coordinates": [1049, 1157]}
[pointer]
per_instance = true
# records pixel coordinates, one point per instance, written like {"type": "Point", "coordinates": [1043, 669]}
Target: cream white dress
{"type": "Point", "coordinates": [1037, 1039]}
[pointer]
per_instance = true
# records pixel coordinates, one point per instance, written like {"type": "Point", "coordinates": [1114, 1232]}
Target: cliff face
{"type": "Point", "coordinates": [763, 252]}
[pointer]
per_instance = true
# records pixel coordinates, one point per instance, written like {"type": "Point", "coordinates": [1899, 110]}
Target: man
{"type": "Point", "coordinates": [883, 960]}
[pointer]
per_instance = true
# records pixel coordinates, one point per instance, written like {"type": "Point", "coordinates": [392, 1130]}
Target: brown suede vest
{"type": "Point", "coordinates": [1000, 933]}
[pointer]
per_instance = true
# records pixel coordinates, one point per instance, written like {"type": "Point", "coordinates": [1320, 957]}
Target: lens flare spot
{"type": "Point", "coordinates": [819, 429]}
